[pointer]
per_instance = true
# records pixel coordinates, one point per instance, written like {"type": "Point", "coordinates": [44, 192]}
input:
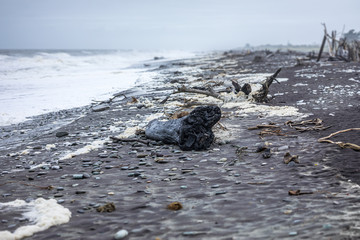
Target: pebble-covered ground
{"type": "Point", "coordinates": [241, 188]}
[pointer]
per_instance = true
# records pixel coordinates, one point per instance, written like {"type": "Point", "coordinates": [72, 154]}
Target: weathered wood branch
{"type": "Point", "coordinates": [261, 95]}
{"type": "Point", "coordinates": [192, 90]}
{"type": "Point", "coordinates": [341, 144]}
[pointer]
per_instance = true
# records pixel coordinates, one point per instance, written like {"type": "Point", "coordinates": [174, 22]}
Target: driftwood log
{"type": "Point", "coordinates": [261, 95]}
{"type": "Point", "coordinates": [192, 132]}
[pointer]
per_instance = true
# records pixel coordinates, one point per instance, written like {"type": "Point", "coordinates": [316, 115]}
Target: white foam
{"type": "Point", "coordinates": [246, 107]}
{"type": "Point", "coordinates": [88, 148]}
{"type": "Point", "coordinates": [43, 213]}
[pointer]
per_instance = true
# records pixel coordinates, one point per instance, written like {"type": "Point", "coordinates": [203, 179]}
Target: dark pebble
{"type": "Point", "coordinates": [80, 192]}
{"type": "Point", "coordinates": [61, 134]}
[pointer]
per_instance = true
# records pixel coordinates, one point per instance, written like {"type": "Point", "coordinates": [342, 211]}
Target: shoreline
{"type": "Point", "coordinates": [229, 191]}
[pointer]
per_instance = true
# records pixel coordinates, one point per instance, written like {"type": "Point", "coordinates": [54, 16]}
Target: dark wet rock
{"type": "Point", "coordinates": [80, 192]}
{"type": "Point", "coordinates": [61, 134]}
{"type": "Point", "coordinates": [100, 108]}
{"type": "Point", "coordinates": [246, 88]}
{"type": "Point", "coordinates": [267, 153]}
{"type": "Point", "coordinates": [86, 175]}
{"type": "Point", "coordinates": [192, 132]}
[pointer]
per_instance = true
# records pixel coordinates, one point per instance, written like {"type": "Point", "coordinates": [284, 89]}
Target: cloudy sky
{"type": "Point", "coordinates": [169, 24]}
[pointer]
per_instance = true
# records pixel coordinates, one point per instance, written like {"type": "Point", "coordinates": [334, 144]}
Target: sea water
{"type": "Point", "coordinates": [34, 82]}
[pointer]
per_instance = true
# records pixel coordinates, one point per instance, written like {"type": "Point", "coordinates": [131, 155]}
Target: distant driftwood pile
{"type": "Point", "coordinates": [346, 48]}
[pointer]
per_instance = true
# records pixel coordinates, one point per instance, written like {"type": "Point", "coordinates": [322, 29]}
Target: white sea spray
{"type": "Point", "coordinates": [42, 213]}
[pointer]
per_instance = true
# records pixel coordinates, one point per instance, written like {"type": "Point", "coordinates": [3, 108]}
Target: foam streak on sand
{"type": "Point", "coordinates": [44, 214]}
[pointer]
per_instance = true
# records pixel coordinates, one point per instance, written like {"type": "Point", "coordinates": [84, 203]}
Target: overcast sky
{"type": "Point", "coordinates": [169, 24]}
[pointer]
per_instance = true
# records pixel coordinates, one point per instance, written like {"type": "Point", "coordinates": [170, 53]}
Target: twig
{"type": "Point", "coordinates": [341, 144]}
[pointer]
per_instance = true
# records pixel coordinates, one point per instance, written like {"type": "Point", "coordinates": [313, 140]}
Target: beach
{"type": "Point", "coordinates": [96, 163]}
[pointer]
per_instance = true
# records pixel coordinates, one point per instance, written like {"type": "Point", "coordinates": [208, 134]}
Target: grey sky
{"type": "Point", "coordinates": [169, 24]}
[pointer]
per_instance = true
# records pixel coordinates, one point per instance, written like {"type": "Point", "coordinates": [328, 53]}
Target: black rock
{"type": "Point", "coordinates": [192, 132]}
{"type": "Point", "coordinates": [61, 134]}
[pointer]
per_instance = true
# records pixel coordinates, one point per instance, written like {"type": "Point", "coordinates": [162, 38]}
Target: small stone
{"type": "Point", "coordinates": [293, 233]}
{"type": "Point", "coordinates": [121, 234]}
{"type": "Point", "coordinates": [101, 107]}
{"type": "Point", "coordinates": [282, 148]}
{"type": "Point", "coordinates": [86, 175]}
{"type": "Point", "coordinates": [61, 134]}
{"type": "Point", "coordinates": [80, 192]}
{"type": "Point", "coordinates": [327, 226]}
{"type": "Point", "coordinates": [78, 176]}
{"type": "Point", "coordinates": [297, 221]}
{"type": "Point", "coordinates": [55, 167]}
{"type": "Point", "coordinates": [192, 233]}
{"type": "Point", "coordinates": [183, 187]}
{"type": "Point", "coordinates": [215, 186]}
{"type": "Point", "coordinates": [175, 206]}
{"type": "Point", "coordinates": [220, 192]}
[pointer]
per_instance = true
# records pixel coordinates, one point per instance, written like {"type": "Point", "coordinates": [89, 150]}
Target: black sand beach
{"type": "Point", "coordinates": [235, 190]}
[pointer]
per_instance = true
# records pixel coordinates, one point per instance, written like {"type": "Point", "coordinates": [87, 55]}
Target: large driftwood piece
{"type": "Point", "coordinates": [261, 95]}
{"type": "Point", "coordinates": [341, 144]}
{"type": "Point", "coordinates": [192, 90]}
{"type": "Point", "coordinates": [192, 132]}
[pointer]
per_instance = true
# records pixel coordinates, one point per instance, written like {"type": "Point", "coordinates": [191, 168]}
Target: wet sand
{"type": "Point", "coordinates": [231, 191]}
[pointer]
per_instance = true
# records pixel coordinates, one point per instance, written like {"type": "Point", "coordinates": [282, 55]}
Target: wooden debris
{"type": "Point", "coordinates": [179, 114]}
{"type": "Point", "coordinates": [298, 192]}
{"type": "Point", "coordinates": [108, 207]}
{"type": "Point", "coordinates": [288, 158]}
{"type": "Point", "coordinates": [308, 125]}
{"type": "Point", "coordinates": [267, 131]}
{"type": "Point", "coordinates": [192, 90]}
{"type": "Point", "coordinates": [341, 144]}
{"type": "Point", "coordinates": [261, 95]}
{"type": "Point", "coordinates": [133, 100]}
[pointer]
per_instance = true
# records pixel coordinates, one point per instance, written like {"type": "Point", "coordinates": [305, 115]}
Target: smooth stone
{"type": "Point", "coordinates": [327, 226]}
{"type": "Point", "coordinates": [100, 108]}
{"type": "Point", "coordinates": [86, 175]}
{"type": "Point", "coordinates": [293, 233]}
{"type": "Point", "coordinates": [215, 186]}
{"type": "Point", "coordinates": [183, 187]}
{"type": "Point", "coordinates": [60, 201]}
{"type": "Point", "coordinates": [55, 167]}
{"type": "Point", "coordinates": [282, 148]}
{"type": "Point", "coordinates": [78, 176]}
{"type": "Point", "coordinates": [221, 192]}
{"type": "Point", "coordinates": [61, 134]}
{"type": "Point", "coordinates": [121, 234]}
{"type": "Point", "coordinates": [80, 192]}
